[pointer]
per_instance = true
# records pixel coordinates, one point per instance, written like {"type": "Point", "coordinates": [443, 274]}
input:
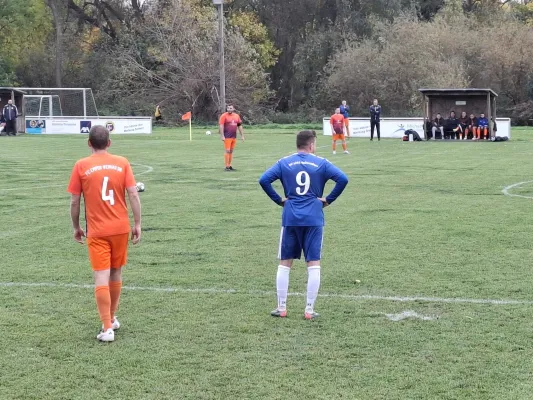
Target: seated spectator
{"type": "Point", "coordinates": [427, 128]}
{"type": "Point", "coordinates": [2, 124]}
{"type": "Point", "coordinates": [483, 127]}
{"type": "Point", "coordinates": [472, 126]}
{"type": "Point", "coordinates": [462, 129]}
{"type": "Point", "coordinates": [451, 126]}
{"type": "Point", "coordinates": [438, 125]}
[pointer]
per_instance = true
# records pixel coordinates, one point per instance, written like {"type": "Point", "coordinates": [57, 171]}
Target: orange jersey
{"type": "Point", "coordinates": [337, 121]}
{"type": "Point", "coordinates": [230, 122]}
{"type": "Point", "coordinates": [103, 180]}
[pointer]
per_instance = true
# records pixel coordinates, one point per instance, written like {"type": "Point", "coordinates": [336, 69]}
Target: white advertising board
{"type": "Point", "coordinates": [116, 125]}
{"type": "Point", "coordinates": [395, 127]}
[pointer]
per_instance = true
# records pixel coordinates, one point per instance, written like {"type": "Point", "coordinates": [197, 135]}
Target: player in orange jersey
{"type": "Point", "coordinates": [229, 123]}
{"type": "Point", "coordinates": [103, 180]}
{"type": "Point", "coordinates": [338, 128]}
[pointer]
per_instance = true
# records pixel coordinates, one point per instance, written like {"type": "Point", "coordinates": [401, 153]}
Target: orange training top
{"type": "Point", "coordinates": [337, 120]}
{"type": "Point", "coordinates": [230, 122]}
{"type": "Point", "coordinates": [103, 180]}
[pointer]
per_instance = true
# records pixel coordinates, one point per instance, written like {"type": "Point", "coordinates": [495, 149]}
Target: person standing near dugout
{"type": "Point", "coordinates": [345, 111]}
{"type": "Point", "coordinates": [10, 114]}
{"type": "Point", "coordinates": [375, 118]}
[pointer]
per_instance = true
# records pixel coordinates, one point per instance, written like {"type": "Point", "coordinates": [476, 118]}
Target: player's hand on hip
{"type": "Point", "coordinates": [79, 235]}
{"type": "Point", "coordinates": [136, 234]}
{"type": "Point", "coordinates": [283, 201]}
{"type": "Point", "coordinates": [324, 202]}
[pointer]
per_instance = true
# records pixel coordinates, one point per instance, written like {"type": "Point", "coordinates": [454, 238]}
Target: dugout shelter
{"type": "Point", "coordinates": [17, 95]}
{"type": "Point", "coordinates": [444, 101]}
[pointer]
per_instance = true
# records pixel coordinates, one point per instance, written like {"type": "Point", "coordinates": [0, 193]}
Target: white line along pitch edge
{"type": "Point", "coordinates": [506, 189]}
{"type": "Point", "coordinates": [451, 300]}
{"type": "Point", "coordinates": [148, 170]}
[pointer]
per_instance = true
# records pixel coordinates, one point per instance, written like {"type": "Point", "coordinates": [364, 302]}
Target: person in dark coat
{"type": "Point", "coordinates": [10, 114]}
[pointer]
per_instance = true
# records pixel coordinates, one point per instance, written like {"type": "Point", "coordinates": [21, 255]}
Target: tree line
{"type": "Point", "coordinates": [286, 60]}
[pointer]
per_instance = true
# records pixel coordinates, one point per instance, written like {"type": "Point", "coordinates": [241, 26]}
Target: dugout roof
{"type": "Point", "coordinates": [470, 100]}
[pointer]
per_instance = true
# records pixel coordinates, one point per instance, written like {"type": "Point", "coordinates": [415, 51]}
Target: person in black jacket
{"type": "Point", "coordinates": [10, 114]}
{"type": "Point", "coordinates": [451, 126]}
{"type": "Point", "coordinates": [472, 126]}
{"type": "Point", "coordinates": [438, 125]}
{"type": "Point", "coordinates": [2, 123]}
{"type": "Point", "coordinates": [375, 117]}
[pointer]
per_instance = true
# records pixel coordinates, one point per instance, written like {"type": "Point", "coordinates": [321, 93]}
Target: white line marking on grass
{"type": "Point", "coordinates": [409, 314]}
{"type": "Point", "coordinates": [272, 293]}
{"type": "Point", "coordinates": [29, 187]}
{"type": "Point", "coordinates": [506, 189]}
{"type": "Point", "coordinates": [148, 169]}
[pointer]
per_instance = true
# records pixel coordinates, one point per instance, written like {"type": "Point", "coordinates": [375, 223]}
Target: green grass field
{"type": "Point", "coordinates": [416, 220]}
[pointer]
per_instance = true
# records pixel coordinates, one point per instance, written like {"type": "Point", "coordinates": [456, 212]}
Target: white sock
{"type": "Point", "coordinates": [313, 284]}
{"type": "Point", "coordinates": [282, 285]}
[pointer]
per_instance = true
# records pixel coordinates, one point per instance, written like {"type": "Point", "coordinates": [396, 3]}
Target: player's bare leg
{"type": "Point", "coordinates": [103, 302]}
{"type": "Point", "coordinates": [313, 284]}
{"type": "Point", "coordinates": [334, 146]}
{"type": "Point", "coordinates": [282, 288]}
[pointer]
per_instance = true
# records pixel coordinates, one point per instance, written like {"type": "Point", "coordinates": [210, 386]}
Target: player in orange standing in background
{"type": "Point", "coordinates": [103, 180]}
{"type": "Point", "coordinates": [229, 123]}
{"type": "Point", "coordinates": [338, 128]}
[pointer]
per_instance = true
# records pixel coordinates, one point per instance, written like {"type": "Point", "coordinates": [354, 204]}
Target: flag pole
{"type": "Point", "coordinates": [190, 129]}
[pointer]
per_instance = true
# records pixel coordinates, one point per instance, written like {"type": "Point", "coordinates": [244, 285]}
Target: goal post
{"type": "Point", "coordinates": [55, 102]}
{"type": "Point", "coordinates": [72, 111]}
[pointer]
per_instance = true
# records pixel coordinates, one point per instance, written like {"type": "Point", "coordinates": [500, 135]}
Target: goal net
{"type": "Point", "coordinates": [49, 103]}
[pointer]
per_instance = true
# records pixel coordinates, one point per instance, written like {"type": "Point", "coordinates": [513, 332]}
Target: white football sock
{"type": "Point", "coordinates": [313, 284]}
{"type": "Point", "coordinates": [282, 285]}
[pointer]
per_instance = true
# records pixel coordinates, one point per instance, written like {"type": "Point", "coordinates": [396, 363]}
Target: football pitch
{"type": "Point", "coordinates": [427, 284]}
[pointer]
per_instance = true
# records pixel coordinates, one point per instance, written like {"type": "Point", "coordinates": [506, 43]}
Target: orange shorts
{"type": "Point", "coordinates": [338, 136]}
{"type": "Point", "coordinates": [229, 144]}
{"type": "Point", "coordinates": [108, 252]}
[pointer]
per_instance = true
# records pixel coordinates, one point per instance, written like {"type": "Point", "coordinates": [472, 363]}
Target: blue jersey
{"type": "Point", "coordinates": [303, 177]}
{"type": "Point", "coordinates": [483, 122]}
{"type": "Point", "coordinates": [345, 111]}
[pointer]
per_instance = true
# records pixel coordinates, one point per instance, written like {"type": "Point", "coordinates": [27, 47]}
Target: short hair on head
{"type": "Point", "coordinates": [304, 138]}
{"type": "Point", "coordinates": [99, 137]}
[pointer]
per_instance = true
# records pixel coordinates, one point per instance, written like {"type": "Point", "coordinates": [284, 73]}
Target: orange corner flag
{"type": "Point", "coordinates": [187, 116]}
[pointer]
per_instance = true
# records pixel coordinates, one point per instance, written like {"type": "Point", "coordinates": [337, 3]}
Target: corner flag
{"type": "Point", "coordinates": [188, 117]}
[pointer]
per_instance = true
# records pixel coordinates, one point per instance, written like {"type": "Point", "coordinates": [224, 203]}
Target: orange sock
{"type": "Point", "coordinates": [226, 159]}
{"type": "Point", "coordinates": [103, 303]}
{"type": "Point", "coordinates": [344, 146]}
{"type": "Point", "coordinates": [230, 158]}
{"type": "Point", "coordinates": [114, 290]}
{"type": "Point", "coordinates": [334, 145]}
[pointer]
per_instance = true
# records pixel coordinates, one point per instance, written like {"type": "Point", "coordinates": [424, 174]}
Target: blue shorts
{"type": "Point", "coordinates": [294, 239]}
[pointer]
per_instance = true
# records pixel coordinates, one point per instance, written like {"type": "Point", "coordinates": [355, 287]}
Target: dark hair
{"type": "Point", "coordinates": [304, 138]}
{"type": "Point", "coordinates": [99, 137]}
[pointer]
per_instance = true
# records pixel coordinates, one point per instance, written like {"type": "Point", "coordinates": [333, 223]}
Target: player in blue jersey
{"type": "Point", "coordinates": [303, 176]}
{"type": "Point", "coordinates": [345, 111]}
